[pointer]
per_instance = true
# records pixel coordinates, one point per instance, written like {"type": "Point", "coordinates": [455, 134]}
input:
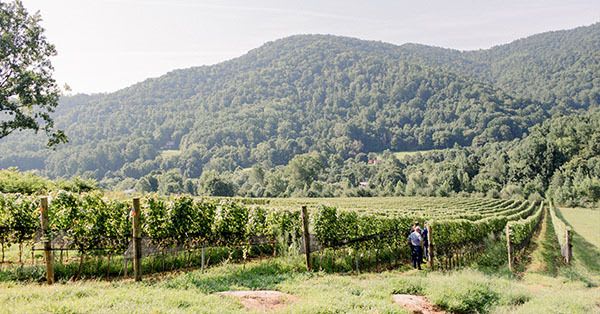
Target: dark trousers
{"type": "Point", "coordinates": [417, 256]}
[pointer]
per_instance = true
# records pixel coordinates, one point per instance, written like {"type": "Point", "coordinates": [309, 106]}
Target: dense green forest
{"type": "Point", "coordinates": [319, 115]}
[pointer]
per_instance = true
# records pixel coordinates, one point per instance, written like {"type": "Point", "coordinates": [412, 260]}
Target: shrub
{"type": "Point", "coordinates": [465, 292]}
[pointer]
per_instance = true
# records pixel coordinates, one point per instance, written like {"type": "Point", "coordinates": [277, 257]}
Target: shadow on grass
{"type": "Point", "coordinates": [585, 263]}
{"type": "Point", "coordinates": [494, 260]}
{"type": "Point", "coordinates": [583, 251]}
{"type": "Point", "coordinates": [586, 253]}
{"type": "Point", "coordinates": [25, 274]}
{"type": "Point", "coordinates": [265, 275]}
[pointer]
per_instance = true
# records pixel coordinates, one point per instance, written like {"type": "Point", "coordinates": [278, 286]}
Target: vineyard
{"type": "Point", "coordinates": [91, 235]}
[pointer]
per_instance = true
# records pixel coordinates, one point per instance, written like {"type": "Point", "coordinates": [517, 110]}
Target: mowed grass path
{"type": "Point", "coordinates": [545, 257]}
{"type": "Point", "coordinates": [586, 223]}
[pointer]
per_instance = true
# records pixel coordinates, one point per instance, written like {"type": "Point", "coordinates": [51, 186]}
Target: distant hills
{"type": "Point", "coordinates": [335, 95]}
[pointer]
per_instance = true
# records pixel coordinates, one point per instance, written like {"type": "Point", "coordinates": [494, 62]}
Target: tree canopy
{"type": "Point", "coordinates": [28, 93]}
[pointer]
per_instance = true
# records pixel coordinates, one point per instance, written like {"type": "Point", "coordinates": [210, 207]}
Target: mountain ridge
{"type": "Point", "coordinates": [328, 93]}
{"type": "Point", "coordinates": [408, 45]}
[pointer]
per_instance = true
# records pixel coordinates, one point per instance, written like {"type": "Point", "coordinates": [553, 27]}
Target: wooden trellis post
{"type": "Point", "coordinates": [306, 237]}
{"type": "Point", "coordinates": [568, 246]}
{"type": "Point", "coordinates": [430, 246]}
{"type": "Point", "coordinates": [509, 248]}
{"type": "Point", "coordinates": [49, 259]}
{"type": "Point", "coordinates": [137, 240]}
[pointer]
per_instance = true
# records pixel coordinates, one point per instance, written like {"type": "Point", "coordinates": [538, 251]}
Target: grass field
{"type": "Point", "coordinates": [170, 153]}
{"type": "Point", "coordinates": [586, 222]}
{"type": "Point", "coordinates": [586, 240]}
{"type": "Point", "coordinates": [195, 292]}
{"type": "Point", "coordinates": [402, 155]}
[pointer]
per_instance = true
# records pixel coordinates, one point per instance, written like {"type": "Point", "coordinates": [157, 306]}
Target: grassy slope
{"type": "Point", "coordinates": [170, 153]}
{"type": "Point", "coordinates": [586, 255]}
{"type": "Point", "coordinates": [586, 222]}
{"type": "Point", "coordinates": [548, 270]}
{"type": "Point", "coordinates": [402, 155]}
{"type": "Point", "coordinates": [465, 290]}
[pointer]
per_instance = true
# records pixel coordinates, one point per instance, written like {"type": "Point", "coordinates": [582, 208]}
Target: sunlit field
{"type": "Point", "coordinates": [585, 221]}
{"type": "Point", "coordinates": [196, 292]}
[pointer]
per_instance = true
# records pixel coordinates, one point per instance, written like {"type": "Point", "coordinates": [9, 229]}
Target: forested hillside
{"type": "Point", "coordinates": [558, 67]}
{"type": "Point", "coordinates": [555, 67]}
{"type": "Point", "coordinates": [333, 97]}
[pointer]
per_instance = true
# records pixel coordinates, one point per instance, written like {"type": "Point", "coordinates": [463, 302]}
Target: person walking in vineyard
{"type": "Point", "coordinates": [414, 240]}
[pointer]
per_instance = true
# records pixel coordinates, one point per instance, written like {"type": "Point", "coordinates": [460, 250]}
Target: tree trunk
{"type": "Point", "coordinates": [81, 257]}
{"type": "Point", "coordinates": [108, 268]}
{"type": "Point", "coordinates": [98, 264]}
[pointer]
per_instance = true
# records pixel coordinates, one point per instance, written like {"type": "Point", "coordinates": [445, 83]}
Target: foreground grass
{"type": "Point", "coordinates": [466, 291]}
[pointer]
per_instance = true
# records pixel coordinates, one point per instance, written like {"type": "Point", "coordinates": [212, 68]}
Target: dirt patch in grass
{"type": "Point", "coordinates": [415, 304]}
{"type": "Point", "coordinates": [265, 300]}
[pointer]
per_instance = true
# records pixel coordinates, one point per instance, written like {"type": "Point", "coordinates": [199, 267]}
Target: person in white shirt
{"type": "Point", "coordinates": [414, 240]}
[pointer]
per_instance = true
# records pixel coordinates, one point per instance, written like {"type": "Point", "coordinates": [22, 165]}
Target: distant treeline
{"type": "Point", "coordinates": [559, 158]}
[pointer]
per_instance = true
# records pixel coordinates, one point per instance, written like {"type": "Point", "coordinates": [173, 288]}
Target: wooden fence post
{"type": "Point", "coordinates": [137, 240]}
{"type": "Point", "coordinates": [48, 256]}
{"type": "Point", "coordinates": [568, 246]}
{"type": "Point", "coordinates": [509, 248]}
{"type": "Point", "coordinates": [430, 246]}
{"type": "Point", "coordinates": [306, 237]}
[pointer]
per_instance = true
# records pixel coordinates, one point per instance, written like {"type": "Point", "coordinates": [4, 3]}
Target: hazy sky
{"type": "Point", "coordinates": [105, 45]}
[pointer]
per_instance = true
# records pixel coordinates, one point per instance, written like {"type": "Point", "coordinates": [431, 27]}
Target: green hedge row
{"type": "Point", "coordinates": [522, 230]}
{"type": "Point", "coordinates": [334, 228]}
{"type": "Point", "coordinates": [90, 221]}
